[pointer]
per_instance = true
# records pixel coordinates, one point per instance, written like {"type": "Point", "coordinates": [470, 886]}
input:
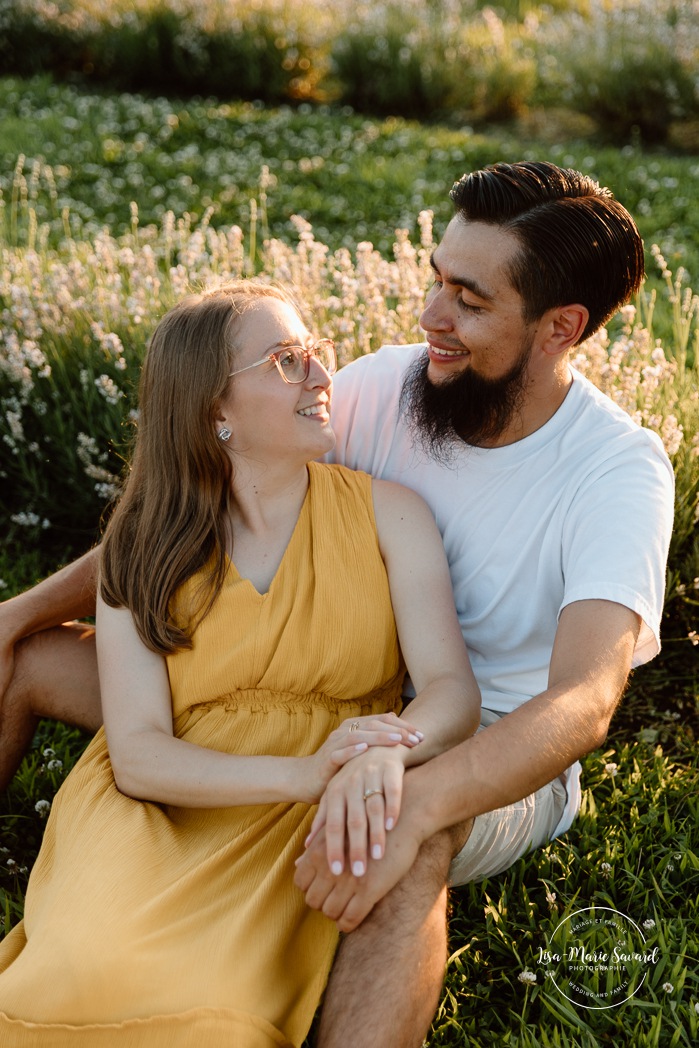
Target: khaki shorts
{"type": "Point", "coordinates": [502, 836]}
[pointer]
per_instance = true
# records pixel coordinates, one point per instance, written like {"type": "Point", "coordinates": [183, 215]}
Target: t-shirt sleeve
{"type": "Point", "coordinates": [349, 433]}
{"type": "Point", "coordinates": [364, 413]}
{"type": "Point", "coordinates": [617, 535]}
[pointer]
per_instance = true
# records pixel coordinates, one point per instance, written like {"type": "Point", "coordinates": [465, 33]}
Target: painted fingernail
{"type": "Point", "coordinates": [420, 735]}
{"type": "Point", "coordinates": [395, 736]}
{"type": "Point", "coordinates": [336, 868]}
{"type": "Point", "coordinates": [389, 824]}
{"type": "Point", "coordinates": [413, 738]}
{"type": "Point", "coordinates": [358, 869]}
{"type": "Point", "coordinates": [305, 843]}
{"type": "Point", "coordinates": [361, 746]}
{"type": "Point", "coordinates": [376, 852]}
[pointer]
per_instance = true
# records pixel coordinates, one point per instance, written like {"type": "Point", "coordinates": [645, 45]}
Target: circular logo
{"type": "Point", "coordinates": [597, 958]}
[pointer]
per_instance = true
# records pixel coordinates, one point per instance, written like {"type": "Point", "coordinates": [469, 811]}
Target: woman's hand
{"type": "Point", "coordinates": [351, 739]}
{"type": "Point", "coordinates": [361, 802]}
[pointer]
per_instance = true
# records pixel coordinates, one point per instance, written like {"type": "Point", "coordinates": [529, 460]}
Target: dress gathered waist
{"type": "Point", "coordinates": [259, 699]}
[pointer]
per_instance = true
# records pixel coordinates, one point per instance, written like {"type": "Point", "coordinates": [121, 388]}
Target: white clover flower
{"type": "Point", "coordinates": [649, 924]}
{"type": "Point", "coordinates": [109, 389]}
{"type": "Point", "coordinates": [668, 987]}
{"type": "Point", "coordinates": [106, 491]}
{"type": "Point", "coordinates": [611, 769]}
{"type": "Point", "coordinates": [49, 752]}
{"type": "Point", "coordinates": [527, 977]}
{"type": "Point", "coordinates": [43, 808]}
{"type": "Point", "coordinates": [14, 421]}
{"type": "Point", "coordinates": [605, 869]}
{"type": "Point", "coordinates": [693, 637]}
{"type": "Point", "coordinates": [550, 897]}
{"type": "Point", "coordinates": [696, 1007]}
{"type": "Point", "coordinates": [670, 868]}
{"type": "Point", "coordinates": [54, 765]}
{"type": "Point", "coordinates": [26, 520]}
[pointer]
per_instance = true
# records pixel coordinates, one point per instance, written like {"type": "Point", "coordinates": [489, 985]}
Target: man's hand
{"type": "Point", "coordinates": [7, 666]}
{"type": "Point", "coordinates": [11, 632]}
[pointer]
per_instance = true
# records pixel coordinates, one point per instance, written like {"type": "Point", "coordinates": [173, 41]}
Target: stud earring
{"type": "Point", "coordinates": [224, 434]}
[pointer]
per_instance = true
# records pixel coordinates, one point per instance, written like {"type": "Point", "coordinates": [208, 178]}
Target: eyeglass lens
{"type": "Point", "coordinates": [294, 362]}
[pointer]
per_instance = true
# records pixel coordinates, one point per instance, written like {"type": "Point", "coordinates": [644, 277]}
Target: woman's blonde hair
{"type": "Point", "coordinates": [170, 521]}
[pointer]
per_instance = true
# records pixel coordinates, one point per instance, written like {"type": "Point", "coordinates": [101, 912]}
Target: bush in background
{"type": "Point", "coordinates": [630, 65]}
{"type": "Point", "coordinates": [242, 50]}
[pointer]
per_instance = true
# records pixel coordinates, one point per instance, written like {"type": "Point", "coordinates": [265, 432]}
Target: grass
{"type": "Point", "coordinates": [86, 157]}
{"type": "Point", "coordinates": [640, 818]}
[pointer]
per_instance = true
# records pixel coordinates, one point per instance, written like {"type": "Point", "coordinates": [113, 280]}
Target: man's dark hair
{"type": "Point", "coordinates": [578, 244]}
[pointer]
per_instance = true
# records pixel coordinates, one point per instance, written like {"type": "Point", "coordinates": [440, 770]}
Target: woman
{"type": "Point", "coordinates": [247, 650]}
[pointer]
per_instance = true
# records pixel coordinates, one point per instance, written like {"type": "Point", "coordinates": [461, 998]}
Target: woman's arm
{"type": "Point", "coordinates": [447, 704]}
{"type": "Point", "coordinates": [150, 763]}
{"type": "Point", "coordinates": [446, 708]}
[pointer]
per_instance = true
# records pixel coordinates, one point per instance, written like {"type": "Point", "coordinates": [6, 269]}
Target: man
{"type": "Point", "coordinates": [556, 513]}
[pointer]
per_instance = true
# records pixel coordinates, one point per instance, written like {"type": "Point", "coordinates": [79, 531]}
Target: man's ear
{"type": "Point", "coordinates": [565, 325]}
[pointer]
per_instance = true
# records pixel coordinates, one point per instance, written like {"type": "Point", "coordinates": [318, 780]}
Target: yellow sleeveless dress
{"type": "Point", "coordinates": [148, 925]}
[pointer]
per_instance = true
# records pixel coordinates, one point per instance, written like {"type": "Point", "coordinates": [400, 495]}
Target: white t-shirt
{"type": "Point", "coordinates": [581, 509]}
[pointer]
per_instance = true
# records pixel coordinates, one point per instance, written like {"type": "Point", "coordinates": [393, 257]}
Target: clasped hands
{"type": "Point", "coordinates": [361, 803]}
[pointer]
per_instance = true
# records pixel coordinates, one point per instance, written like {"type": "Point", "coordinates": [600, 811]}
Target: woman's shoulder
{"type": "Point", "coordinates": [396, 498]}
{"type": "Point", "coordinates": [386, 494]}
{"type": "Point", "coordinates": [331, 476]}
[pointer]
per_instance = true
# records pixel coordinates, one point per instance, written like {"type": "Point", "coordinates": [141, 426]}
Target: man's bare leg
{"type": "Point", "coordinates": [55, 675]}
{"type": "Point", "coordinates": [387, 977]}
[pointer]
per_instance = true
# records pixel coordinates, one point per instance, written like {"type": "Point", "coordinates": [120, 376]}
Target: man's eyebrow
{"type": "Point", "coordinates": [468, 282]}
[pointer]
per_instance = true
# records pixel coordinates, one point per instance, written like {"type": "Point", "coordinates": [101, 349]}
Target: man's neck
{"type": "Point", "coordinates": [541, 402]}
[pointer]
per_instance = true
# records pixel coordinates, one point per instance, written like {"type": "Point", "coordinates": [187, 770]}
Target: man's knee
{"type": "Point", "coordinates": [55, 675]}
{"type": "Point", "coordinates": [459, 835]}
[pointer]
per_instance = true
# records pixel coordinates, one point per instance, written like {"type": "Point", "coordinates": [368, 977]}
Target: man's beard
{"type": "Point", "coordinates": [466, 407]}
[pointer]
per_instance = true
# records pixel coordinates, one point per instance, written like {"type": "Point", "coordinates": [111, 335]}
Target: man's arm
{"type": "Point", "coordinates": [531, 746]}
{"type": "Point", "coordinates": [69, 594]}
{"type": "Point", "coordinates": [503, 763]}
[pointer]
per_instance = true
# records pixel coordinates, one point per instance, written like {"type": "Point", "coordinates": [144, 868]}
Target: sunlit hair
{"type": "Point", "coordinates": [171, 519]}
{"type": "Point", "coordinates": [578, 244]}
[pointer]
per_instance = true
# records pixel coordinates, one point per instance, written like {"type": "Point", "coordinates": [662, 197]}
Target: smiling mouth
{"type": "Point", "coordinates": [447, 354]}
{"type": "Point", "coordinates": [314, 409]}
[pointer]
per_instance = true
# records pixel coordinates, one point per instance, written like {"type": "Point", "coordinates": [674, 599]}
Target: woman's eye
{"type": "Point", "coordinates": [287, 359]}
